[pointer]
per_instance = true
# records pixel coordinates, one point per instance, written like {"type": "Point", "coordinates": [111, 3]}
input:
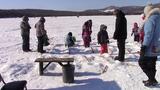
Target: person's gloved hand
{"type": "Point", "coordinates": [143, 50]}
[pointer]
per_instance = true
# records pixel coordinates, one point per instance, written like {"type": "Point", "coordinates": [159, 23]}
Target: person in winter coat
{"type": "Point", "coordinates": [25, 33]}
{"type": "Point", "coordinates": [86, 33]}
{"type": "Point", "coordinates": [103, 39]}
{"type": "Point", "coordinates": [90, 28]}
{"type": "Point", "coordinates": [141, 30]}
{"type": "Point", "coordinates": [69, 40]}
{"type": "Point", "coordinates": [120, 33]}
{"type": "Point", "coordinates": [40, 33]}
{"type": "Point", "coordinates": [135, 31]}
{"type": "Point", "coordinates": [150, 48]}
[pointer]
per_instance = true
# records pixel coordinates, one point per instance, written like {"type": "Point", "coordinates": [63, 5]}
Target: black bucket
{"type": "Point", "coordinates": [68, 73]}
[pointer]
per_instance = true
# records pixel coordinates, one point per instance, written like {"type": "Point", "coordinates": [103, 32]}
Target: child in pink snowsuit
{"type": "Point", "coordinates": [135, 32]}
{"type": "Point", "coordinates": [141, 33]}
{"type": "Point", "coordinates": [86, 33]}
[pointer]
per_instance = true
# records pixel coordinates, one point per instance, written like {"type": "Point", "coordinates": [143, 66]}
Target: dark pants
{"type": "Point", "coordinates": [121, 47]}
{"type": "Point", "coordinates": [148, 65]}
{"type": "Point", "coordinates": [25, 45]}
{"type": "Point", "coordinates": [136, 38]}
{"type": "Point", "coordinates": [40, 44]}
{"type": "Point", "coordinates": [86, 40]}
{"type": "Point", "coordinates": [46, 40]}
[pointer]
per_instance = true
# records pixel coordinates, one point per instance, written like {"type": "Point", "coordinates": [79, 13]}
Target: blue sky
{"type": "Point", "coordinates": [68, 4]}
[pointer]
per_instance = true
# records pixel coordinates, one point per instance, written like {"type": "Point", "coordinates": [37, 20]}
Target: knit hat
{"type": "Point", "coordinates": [147, 9]}
{"type": "Point", "coordinates": [25, 18]}
{"type": "Point", "coordinates": [42, 19]}
{"type": "Point", "coordinates": [70, 33]}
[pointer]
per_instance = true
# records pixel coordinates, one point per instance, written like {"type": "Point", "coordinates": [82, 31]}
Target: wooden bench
{"type": "Point", "coordinates": [50, 60]}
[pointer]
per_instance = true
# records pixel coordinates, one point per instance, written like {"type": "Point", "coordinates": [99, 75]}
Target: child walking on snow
{"type": "Point", "coordinates": [135, 32]}
{"type": "Point", "coordinates": [103, 39]}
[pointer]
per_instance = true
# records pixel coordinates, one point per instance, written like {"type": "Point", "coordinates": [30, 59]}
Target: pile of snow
{"type": "Point", "coordinates": [92, 70]}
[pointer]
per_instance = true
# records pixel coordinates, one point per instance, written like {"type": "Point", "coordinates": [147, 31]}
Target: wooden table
{"type": "Point", "coordinates": [50, 60]}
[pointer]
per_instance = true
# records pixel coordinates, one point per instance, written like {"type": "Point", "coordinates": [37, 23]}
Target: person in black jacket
{"type": "Point", "coordinates": [103, 39]}
{"type": "Point", "coordinates": [25, 33]}
{"type": "Point", "coordinates": [120, 33]}
{"type": "Point", "coordinates": [40, 33]}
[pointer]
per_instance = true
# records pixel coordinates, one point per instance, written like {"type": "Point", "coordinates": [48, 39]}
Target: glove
{"type": "Point", "coordinates": [143, 50]}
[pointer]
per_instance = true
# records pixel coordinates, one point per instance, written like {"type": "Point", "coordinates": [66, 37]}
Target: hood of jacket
{"type": "Point", "coordinates": [103, 27]}
{"type": "Point", "coordinates": [155, 11]}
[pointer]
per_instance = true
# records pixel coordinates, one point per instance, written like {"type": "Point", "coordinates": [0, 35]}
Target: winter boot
{"type": "Point", "coordinates": [116, 58]}
{"type": "Point", "coordinates": [151, 83]}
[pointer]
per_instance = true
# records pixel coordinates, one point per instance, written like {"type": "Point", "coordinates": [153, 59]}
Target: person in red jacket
{"type": "Point", "coordinates": [86, 33]}
{"type": "Point", "coordinates": [141, 32]}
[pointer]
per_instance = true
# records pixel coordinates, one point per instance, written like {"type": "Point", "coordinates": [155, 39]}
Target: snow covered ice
{"type": "Point", "coordinates": [92, 70]}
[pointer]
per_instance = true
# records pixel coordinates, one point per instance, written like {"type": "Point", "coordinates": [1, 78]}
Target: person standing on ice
{"type": "Point", "coordinates": [86, 33]}
{"type": "Point", "coordinates": [40, 33]}
{"type": "Point", "coordinates": [103, 39]}
{"type": "Point", "coordinates": [25, 33]}
{"type": "Point", "coordinates": [70, 40]}
{"type": "Point", "coordinates": [120, 33]}
{"type": "Point", "coordinates": [135, 31]}
{"type": "Point", "coordinates": [90, 28]}
{"type": "Point", "coordinates": [150, 48]}
{"type": "Point", "coordinates": [141, 29]}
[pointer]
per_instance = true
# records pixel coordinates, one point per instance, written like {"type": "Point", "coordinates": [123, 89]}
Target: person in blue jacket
{"type": "Point", "coordinates": [150, 48]}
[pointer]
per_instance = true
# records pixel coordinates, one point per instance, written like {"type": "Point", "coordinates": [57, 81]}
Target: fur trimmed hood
{"type": "Point", "coordinates": [154, 11]}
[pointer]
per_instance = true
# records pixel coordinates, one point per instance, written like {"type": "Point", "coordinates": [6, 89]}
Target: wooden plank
{"type": "Point", "coordinates": [47, 66]}
{"type": "Point", "coordinates": [53, 59]}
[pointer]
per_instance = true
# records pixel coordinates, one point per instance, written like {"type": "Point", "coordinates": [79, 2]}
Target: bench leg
{"type": "Point", "coordinates": [40, 68]}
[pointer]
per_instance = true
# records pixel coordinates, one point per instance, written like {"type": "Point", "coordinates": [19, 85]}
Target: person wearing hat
{"type": "Point", "coordinates": [135, 31]}
{"type": "Point", "coordinates": [25, 33]}
{"type": "Point", "coordinates": [70, 41]}
{"type": "Point", "coordinates": [86, 33]}
{"type": "Point", "coordinates": [120, 34]}
{"type": "Point", "coordinates": [103, 39]}
{"type": "Point", "coordinates": [150, 48]}
{"type": "Point", "coordinates": [40, 33]}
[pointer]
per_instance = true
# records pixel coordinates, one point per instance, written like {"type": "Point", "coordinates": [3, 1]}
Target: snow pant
{"type": "Point", "coordinates": [104, 48]}
{"type": "Point", "coordinates": [46, 40]}
{"type": "Point", "coordinates": [121, 47]}
{"type": "Point", "coordinates": [25, 44]}
{"type": "Point", "coordinates": [141, 39]}
{"type": "Point", "coordinates": [86, 40]}
{"type": "Point", "coordinates": [148, 65]}
{"type": "Point", "coordinates": [40, 44]}
{"type": "Point", "coordinates": [136, 38]}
